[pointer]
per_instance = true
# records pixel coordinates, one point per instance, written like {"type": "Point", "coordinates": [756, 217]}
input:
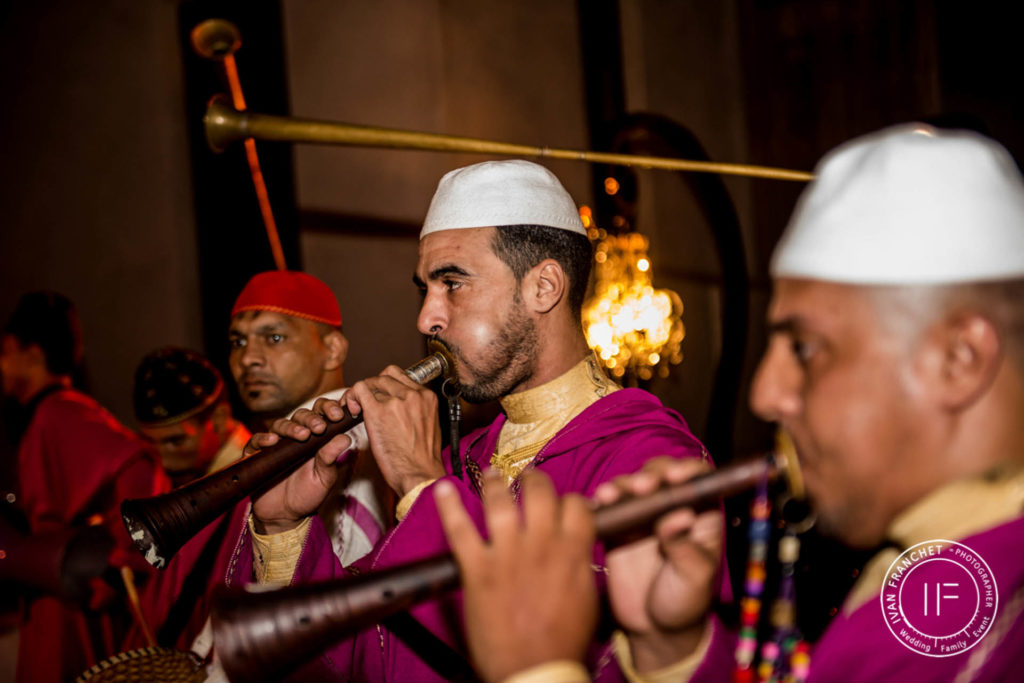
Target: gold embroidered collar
{"type": "Point", "coordinates": [583, 384]}
{"type": "Point", "coordinates": [534, 416]}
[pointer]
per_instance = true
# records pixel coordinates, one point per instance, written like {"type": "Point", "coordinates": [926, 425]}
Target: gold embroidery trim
{"type": "Point", "coordinates": [275, 555]}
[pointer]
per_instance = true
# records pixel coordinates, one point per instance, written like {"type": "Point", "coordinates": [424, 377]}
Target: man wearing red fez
{"type": "Point", "coordinates": [286, 343]}
{"type": "Point", "coordinates": [287, 350]}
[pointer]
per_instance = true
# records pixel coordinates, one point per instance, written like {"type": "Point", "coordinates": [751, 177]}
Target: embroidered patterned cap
{"type": "Point", "coordinates": [909, 205]}
{"type": "Point", "coordinates": [494, 193]}
{"type": "Point", "coordinates": [290, 292]}
{"type": "Point", "coordinates": [173, 384]}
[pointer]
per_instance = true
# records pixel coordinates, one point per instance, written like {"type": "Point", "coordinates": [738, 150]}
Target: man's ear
{"type": "Point", "coordinates": [337, 349]}
{"type": "Point", "coordinates": [971, 357]}
{"type": "Point", "coordinates": [544, 286]}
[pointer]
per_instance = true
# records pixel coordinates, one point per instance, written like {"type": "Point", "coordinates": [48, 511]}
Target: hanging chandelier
{"type": "Point", "coordinates": [633, 328]}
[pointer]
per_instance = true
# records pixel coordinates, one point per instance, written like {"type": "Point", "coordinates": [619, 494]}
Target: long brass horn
{"type": "Point", "coordinates": [160, 525]}
{"type": "Point", "coordinates": [262, 636]}
{"type": "Point", "coordinates": [225, 125]}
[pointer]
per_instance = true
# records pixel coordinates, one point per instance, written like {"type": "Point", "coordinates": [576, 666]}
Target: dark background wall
{"type": "Point", "coordinates": [107, 194]}
{"type": "Point", "coordinates": [95, 197]}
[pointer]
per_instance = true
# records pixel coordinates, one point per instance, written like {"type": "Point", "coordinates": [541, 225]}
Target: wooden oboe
{"type": "Point", "coordinates": [162, 524]}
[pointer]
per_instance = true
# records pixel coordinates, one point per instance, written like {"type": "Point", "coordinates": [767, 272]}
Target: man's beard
{"type": "Point", "coordinates": [263, 414]}
{"type": "Point", "coordinates": [509, 360]}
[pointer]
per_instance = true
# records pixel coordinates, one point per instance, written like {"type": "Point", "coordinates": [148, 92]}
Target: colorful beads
{"type": "Point", "coordinates": [800, 661]}
{"type": "Point", "coordinates": [786, 657]}
{"type": "Point", "coordinates": [750, 607]}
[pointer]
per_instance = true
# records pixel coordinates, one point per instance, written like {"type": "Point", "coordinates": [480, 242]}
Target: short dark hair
{"type": "Point", "coordinates": [912, 307]}
{"type": "Point", "coordinates": [50, 321]}
{"type": "Point", "coordinates": [521, 247]}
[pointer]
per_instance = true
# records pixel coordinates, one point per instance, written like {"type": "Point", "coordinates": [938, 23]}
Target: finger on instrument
{"type": "Point", "coordinates": [333, 450]}
{"type": "Point", "coordinates": [462, 535]}
{"type": "Point", "coordinates": [501, 511]}
{"type": "Point", "coordinates": [678, 470]}
{"type": "Point", "coordinates": [355, 396]}
{"type": "Point", "coordinates": [386, 386]}
{"type": "Point", "coordinates": [397, 373]}
{"type": "Point", "coordinates": [654, 473]}
{"type": "Point", "coordinates": [578, 519]}
{"type": "Point", "coordinates": [329, 408]}
{"type": "Point", "coordinates": [540, 503]}
{"type": "Point", "coordinates": [258, 442]}
{"type": "Point", "coordinates": [678, 522]}
{"type": "Point", "coordinates": [625, 485]}
{"type": "Point", "coordinates": [309, 419]}
{"type": "Point", "coordinates": [291, 429]}
{"type": "Point", "coordinates": [682, 531]}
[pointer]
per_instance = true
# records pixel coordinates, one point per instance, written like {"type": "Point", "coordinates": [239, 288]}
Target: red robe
{"type": "Point", "coordinates": [176, 603]}
{"type": "Point", "coordinates": [76, 463]}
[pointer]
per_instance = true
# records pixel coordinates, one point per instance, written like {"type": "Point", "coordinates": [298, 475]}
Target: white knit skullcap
{"type": "Point", "coordinates": [494, 193]}
{"type": "Point", "coordinates": [908, 205]}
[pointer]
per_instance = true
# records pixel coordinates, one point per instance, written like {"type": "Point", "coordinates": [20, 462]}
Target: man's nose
{"type": "Point", "coordinates": [432, 318]}
{"type": "Point", "coordinates": [774, 393]}
{"type": "Point", "coordinates": [252, 355]}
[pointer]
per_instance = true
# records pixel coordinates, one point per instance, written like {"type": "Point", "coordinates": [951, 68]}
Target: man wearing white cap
{"type": "Point", "coordinates": [503, 267]}
{"type": "Point", "coordinates": [896, 362]}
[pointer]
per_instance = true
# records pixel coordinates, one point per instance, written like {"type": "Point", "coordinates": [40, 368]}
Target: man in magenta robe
{"type": "Point", "coordinates": [503, 268]}
{"type": "Point", "coordinates": [76, 463]}
{"type": "Point", "coordinates": [896, 363]}
{"type": "Point", "coordinates": [287, 349]}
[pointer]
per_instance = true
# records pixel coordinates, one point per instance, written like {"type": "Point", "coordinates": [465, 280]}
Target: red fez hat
{"type": "Point", "coordinates": [290, 292]}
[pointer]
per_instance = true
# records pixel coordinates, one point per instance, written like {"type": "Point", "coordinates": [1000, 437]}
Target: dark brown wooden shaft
{"type": "Point", "coordinates": [160, 525]}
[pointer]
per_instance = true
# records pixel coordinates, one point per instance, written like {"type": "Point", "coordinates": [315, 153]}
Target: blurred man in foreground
{"type": "Point", "coordinates": [896, 362]}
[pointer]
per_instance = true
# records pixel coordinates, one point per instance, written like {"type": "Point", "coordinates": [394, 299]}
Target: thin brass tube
{"type": "Point", "coordinates": [225, 125]}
